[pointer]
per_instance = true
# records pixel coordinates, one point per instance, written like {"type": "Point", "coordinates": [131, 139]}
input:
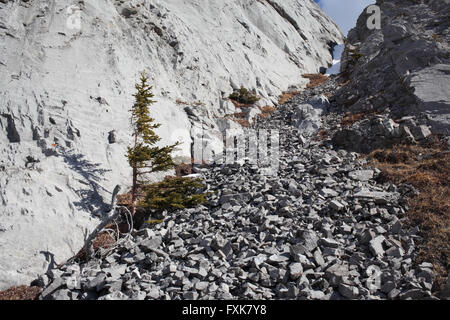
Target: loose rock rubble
{"type": "Point", "coordinates": [380, 131]}
{"type": "Point", "coordinates": [322, 228]}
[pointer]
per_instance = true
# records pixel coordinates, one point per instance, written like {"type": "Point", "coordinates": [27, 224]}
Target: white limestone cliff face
{"type": "Point", "coordinates": [67, 74]}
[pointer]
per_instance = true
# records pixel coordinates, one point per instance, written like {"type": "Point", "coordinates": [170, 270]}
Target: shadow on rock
{"type": "Point", "coordinates": [92, 173]}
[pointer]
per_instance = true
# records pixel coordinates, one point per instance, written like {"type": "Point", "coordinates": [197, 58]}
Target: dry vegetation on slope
{"type": "Point", "coordinates": [315, 79]}
{"type": "Point", "coordinates": [20, 293]}
{"type": "Point", "coordinates": [426, 168]}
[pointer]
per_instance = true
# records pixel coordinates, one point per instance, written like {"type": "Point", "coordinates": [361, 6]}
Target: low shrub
{"type": "Point", "coordinates": [355, 55]}
{"type": "Point", "coordinates": [174, 193]}
{"type": "Point", "coordinates": [244, 96]}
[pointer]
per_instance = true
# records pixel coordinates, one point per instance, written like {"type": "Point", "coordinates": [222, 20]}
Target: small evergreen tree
{"type": "Point", "coordinates": [144, 156]}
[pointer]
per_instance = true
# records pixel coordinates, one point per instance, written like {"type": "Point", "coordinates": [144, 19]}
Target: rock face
{"type": "Point", "coordinates": [403, 69]}
{"type": "Point", "coordinates": [67, 75]}
{"type": "Point", "coordinates": [380, 131]}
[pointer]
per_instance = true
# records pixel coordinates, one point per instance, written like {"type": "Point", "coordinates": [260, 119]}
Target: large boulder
{"type": "Point", "coordinates": [307, 118]}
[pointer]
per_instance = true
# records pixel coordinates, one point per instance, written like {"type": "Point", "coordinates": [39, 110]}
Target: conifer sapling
{"type": "Point", "coordinates": [144, 156]}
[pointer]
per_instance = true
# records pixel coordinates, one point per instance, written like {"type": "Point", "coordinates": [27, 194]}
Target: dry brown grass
{"type": "Point", "coordinates": [183, 169]}
{"type": "Point", "coordinates": [315, 79]}
{"type": "Point", "coordinates": [286, 96]}
{"type": "Point", "coordinates": [240, 115]}
{"type": "Point", "coordinates": [243, 122]}
{"type": "Point", "coordinates": [103, 240]}
{"type": "Point", "coordinates": [437, 38]}
{"type": "Point", "coordinates": [239, 104]}
{"type": "Point", "coordinates": [20, 293]}
{"type": "Point", "coordinates": [181, 102]}
{"type": "Point", "coordinates": [427, 168]}
{"type": "Point", "coordinates": [266, 111]}
{"type": "Point", "coordinates": [322, 135]}
{"type": "Point", "coordinates": [124, 199]}
{"type": "Point", "coordinates": [344, 83]}
{"type": "Point", "coordinates": [351, 118]}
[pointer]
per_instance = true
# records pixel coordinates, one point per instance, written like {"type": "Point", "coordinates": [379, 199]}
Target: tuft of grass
{"type": "Point", "coordinates": [124, 199]}
{"type": "Point", "coordinates": [355, 55]}
{"type": "Point", "coordinates": [243, 122]}
{"type": "Point", "coordinates": [240, 115]}
{"type": "Point", "coordinates": [315, 79]}
{"type": "Point", "coordinates": [426, 168]}
{"type": "Point", "coordinates": [181, 102]}
{"type": "Point", "coordinates": [198, 104]}
{"type": "Point", "coordinates": [266, 111]}
{"type": "Point", "coordinates": [183, 169]}
{"type": "Point", "coordinates": [239, 105]}
{"type": "Point", "coordinates": [436, 38]}
{"type": "Point", "coordinates": [350, 118]}
{"type": "Point", "coordinates": [154, 221]}
{"type": "Point", "coordinates": [103, 241]}
{"type": "Point", "coordinates": [323, 134]}
{"type": "Point", "coordinates": [286, 96]}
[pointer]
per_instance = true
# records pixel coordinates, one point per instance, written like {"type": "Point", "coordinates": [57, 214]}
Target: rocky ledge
{"type": "Point", "coordinates": [403, 68]}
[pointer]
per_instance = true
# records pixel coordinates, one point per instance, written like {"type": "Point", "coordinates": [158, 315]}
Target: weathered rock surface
{"type": "Point", "coordinates": [308, 117]}
{"type": "Point", "coordinates": [67, 76]}
{"type": "Point", "coordinates": [380, 131]}
{"type": "Point", "coordinates": [403, 69]}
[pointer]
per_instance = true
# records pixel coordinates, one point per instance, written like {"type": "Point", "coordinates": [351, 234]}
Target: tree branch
{"type": "Point", "coordinates": [88, 247]}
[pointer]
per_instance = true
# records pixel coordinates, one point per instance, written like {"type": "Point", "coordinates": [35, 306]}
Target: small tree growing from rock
{"type": "Point", "coordinates": [144, 156]}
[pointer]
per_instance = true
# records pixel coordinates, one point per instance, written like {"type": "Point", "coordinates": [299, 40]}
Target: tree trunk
{"type": "Point", "coordinates": [115, 213]}
{"type": "Point", "coordinates": [133, 192]}
{"type": "Point", "coordinates": [134, 185]}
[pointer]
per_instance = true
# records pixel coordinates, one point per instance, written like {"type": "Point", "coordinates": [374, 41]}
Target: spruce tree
{"type": "Point", "coordinates": [144, 156]}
